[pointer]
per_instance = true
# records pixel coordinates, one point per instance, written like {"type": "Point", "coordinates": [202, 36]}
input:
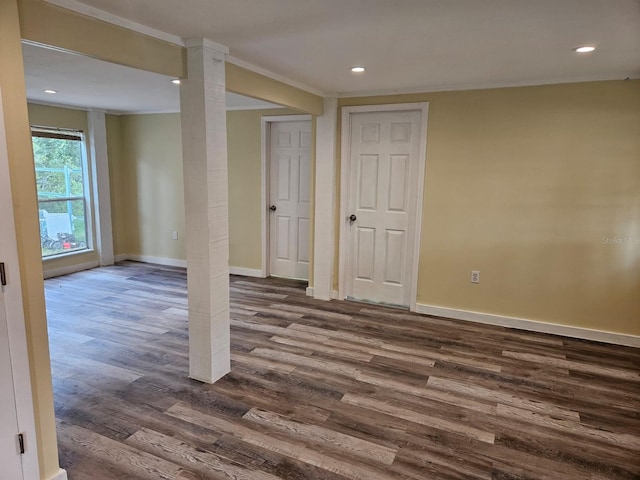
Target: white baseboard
{"type": "Point", "coordinates": [172, 262]}
{"type": "Point", "coordinates": [169, 262]}
{"type": "Point", "coordinates": [334, 293]}
{"type": "Point", "coordinates": [60, 475]}
{"type": "Point", "coordinates": [246, 272]}
{"type": "Point", "coordinates": [531, 325]}
{"type": "Point", "coordinates": [78, 267]}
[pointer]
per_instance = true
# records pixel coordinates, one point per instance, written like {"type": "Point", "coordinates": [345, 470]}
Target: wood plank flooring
{"type": "Point", "coordinates": [326, 390]}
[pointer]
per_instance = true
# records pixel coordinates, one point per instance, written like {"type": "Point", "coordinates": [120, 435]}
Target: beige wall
{"type": "Point", "coordinates": [525, 185]}
{"type": "Point", "coordinates": [245, 188]}
{"type": "Point", "coordinates": [25, 206]}
{"type": "Point", "coordinates": [147, 185]}
{"type": "Point", "coordinates": [555, 168]}
{"type": "Point", "coordinates": [145, 163]}
{"type": "Point", "coordinates": [47, 116]}
{"type": "Point", "coordinates": [244, 137]}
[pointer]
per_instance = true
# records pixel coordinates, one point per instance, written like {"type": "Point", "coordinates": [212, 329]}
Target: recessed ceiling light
{"type": "Point", "coordinates": [358, 69]}
{"type": "Point", "coordinates": [48, 90]}
{"type": "Point", "coordinates": [176, 81]}
{"type": "Point", "coordinates": [585, 49]}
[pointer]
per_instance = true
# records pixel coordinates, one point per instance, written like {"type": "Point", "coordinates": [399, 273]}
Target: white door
{"type": "Point", "coordinates": [9, 451]}
{"type": "Point", "coordinates": [384, 171]}
{"type": "Point", "coordinates": [290, 162]}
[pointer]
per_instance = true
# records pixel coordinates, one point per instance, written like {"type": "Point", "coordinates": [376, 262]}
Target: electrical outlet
{"type": "Point", "coordinates": [174, 235]}
{"type": "Point", "coordinates": [475, 276]}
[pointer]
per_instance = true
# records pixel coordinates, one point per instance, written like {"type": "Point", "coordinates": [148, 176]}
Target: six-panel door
{"type": "Point", "coordinates": [290, 163]}
{"type": "Point", "coordinates": [383, 176]}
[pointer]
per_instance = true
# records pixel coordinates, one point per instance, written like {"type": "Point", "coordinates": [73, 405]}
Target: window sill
{"type": "Point", "coordinates": [67, 255]}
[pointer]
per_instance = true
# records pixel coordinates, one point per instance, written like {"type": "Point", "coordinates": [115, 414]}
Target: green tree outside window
{"type": "Point", "coordinates": [59, 169]}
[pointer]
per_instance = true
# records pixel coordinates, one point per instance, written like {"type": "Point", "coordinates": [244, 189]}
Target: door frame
{"type": "Point", "coordinates": [265, 171]}
{"type": "Point", "coordinates": [15, 316]}
{"type": "Point", "coordinates": [345, 182]}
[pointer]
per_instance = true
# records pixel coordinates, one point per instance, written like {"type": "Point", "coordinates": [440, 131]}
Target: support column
{"type": "Point", "coordinates": [206, 198]}
{"type": "Point", "coordinates": [325, 203]}
{"type": "Point", "coordinates": [101, 186]}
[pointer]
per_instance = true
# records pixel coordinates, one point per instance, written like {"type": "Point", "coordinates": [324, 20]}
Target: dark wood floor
{"type": "Point", "coordinates": [326, 390]}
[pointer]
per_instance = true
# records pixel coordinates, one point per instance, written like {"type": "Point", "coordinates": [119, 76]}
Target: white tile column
{"type": "Point", "coordinates": [325, 203]}
{"type": "Point", "coordinates": [206, 196]}
{"type": "Point", "coordinates": [101, 186]}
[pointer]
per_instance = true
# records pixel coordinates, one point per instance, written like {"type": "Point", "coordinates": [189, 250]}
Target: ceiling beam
{"type": "Point", "coordinates": [56, 27]}
{"type": "Point", "coordinates": [51, 26]}
{"type": "Point", "coordinates": [246, 82]}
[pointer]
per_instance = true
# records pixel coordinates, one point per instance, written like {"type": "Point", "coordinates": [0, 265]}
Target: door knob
{"type": "Point", "coordinates": [352, 218]}
{"type": "Point", "coordinates": [273, 208]}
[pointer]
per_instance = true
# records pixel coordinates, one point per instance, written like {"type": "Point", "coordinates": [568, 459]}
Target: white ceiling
{"type": "Point", "coordinates": [406, 45]}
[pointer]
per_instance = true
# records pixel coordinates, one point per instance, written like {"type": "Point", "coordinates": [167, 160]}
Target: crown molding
{"type": "Point", "coordinates": [57, 105]}
{"type": "Point", "coordinates": [206, 43]}
{"type": "Point", "coordinates": [254, 107]}
{"type": "Point", "coordinates": [274, 76]}
{"type": "Point", "coordinates": [81, 8]}
{"type": "Point", "coordinates": [142, 112]}
{"type": "Point", "coordinates": [478, 86]}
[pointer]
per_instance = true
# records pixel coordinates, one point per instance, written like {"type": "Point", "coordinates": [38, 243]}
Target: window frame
{"type": "Point", "coordinates": [75, 135]}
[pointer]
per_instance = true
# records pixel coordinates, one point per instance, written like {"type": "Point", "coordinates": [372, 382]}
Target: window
{"type": "Point", "coordinates": [61, 175]}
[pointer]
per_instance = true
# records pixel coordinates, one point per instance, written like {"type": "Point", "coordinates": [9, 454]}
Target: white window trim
{"type": "Point", "coordinates": [101, 187]}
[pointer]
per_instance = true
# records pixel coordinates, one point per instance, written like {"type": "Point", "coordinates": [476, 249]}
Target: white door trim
{"type": "Point", "coordinates": [15, 315]}
{"type": "Point", "coordinates": [266, 122]}
{"type": "Point", "coordinates": [325, 192]}
{"type": "Point", "coordinates": [345, 156]}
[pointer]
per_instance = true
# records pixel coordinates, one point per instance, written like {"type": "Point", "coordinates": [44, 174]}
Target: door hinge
{"type": "Point", "coordinates": [3, 274]}
{"type": "Point", "coordinates": [21, 443]}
